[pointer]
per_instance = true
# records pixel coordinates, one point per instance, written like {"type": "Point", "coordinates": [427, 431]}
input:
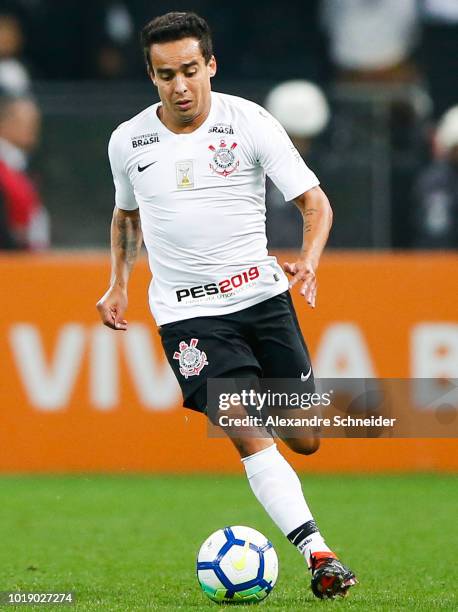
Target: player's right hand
{"type": "Point", "coordinates": [303, 271]}
{"type": "Point", "coordinates": [111, 308]}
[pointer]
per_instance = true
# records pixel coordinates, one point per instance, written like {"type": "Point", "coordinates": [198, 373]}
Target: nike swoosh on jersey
{"type": "Point", "coordinates": [305, 377]}
{"type": "Point", "coordinates": [141, 168]}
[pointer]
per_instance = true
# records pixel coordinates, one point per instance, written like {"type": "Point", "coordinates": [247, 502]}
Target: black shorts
{"type": "Point", "coordinates": [263, 340]}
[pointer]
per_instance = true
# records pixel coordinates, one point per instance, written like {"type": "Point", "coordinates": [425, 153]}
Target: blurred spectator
{"type": "Point", "coordinates": [25, 220]}
{"type": "Point", "coordinates": [435, 195]}
{"type": "Point", "coordinates": [113, 32]}
{"type": "Point", "coordinates": [439, 51]}
{"type": "Point", "coordinates": [14, 77]}
{"type": "Point", "coordinates": [372, 44]}
{"type": "Point", "coordinates": [372, 40]}
{"type": "Point", "coordinates": [302, 109]}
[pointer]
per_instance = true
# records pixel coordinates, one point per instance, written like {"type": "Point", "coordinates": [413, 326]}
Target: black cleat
{"type": "Point", "coordinates": [329, 577]}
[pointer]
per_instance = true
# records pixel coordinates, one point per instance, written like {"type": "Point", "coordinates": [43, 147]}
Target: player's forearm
{"type": "Point", "coordinates": [317, 217]}
{"type": "Point", "coordinates": [126, 241]}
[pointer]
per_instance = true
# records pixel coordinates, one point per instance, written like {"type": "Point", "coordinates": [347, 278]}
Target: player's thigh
{"type": "Point", "coordinates": [279, 345]}
{"type": "Point", "coordinates": [202, 348]}
{"type": "Point", "coordinates": [282, 353]}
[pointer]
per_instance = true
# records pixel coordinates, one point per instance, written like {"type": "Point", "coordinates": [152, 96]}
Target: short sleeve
{"type": "Point", "coordinates": [124, 194]}
{"type": "Point", "coordinates": [279, 157]}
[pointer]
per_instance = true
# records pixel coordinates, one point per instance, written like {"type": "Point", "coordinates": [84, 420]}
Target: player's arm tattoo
{"type": "Point", "coordinates": [127, 237]}
{"type": "Point", "coordinates": [308, 215]}
{"type": "Point", "coordinates": [126, 241]}
{"type": "Point", "coordinates": [317, 218]}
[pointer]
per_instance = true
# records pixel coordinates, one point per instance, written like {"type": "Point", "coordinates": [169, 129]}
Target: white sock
{"type": "Point", "coordinates": [278, 489]}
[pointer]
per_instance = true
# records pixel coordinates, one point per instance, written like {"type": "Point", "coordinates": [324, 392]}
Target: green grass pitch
{"type": "Point", "coordinates": [129, 542]}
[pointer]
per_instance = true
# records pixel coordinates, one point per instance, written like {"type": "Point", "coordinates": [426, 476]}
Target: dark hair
{"type": "Point", "coordinates": [175, 26]}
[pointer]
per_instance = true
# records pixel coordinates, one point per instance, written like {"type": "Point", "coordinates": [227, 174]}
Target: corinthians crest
{"type": "Point", "coordinates": [191, 359]}
{"type": "Point", "coordinates": [224, 159]}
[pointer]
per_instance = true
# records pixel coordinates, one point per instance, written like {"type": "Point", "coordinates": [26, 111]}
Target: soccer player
{"type": "Point", "coordinates": [189, 175]}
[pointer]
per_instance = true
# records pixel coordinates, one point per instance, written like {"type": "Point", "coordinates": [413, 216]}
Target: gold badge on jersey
{"type": "Point", "coordinates": [185, 174]}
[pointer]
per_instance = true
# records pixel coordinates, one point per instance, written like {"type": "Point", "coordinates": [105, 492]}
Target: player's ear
{"type": "Point", "coordinates": [212, 66]}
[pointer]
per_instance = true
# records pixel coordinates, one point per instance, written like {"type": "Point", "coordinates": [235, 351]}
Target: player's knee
{"type": "Point", "coordinates": [304, 446]}
{"type": "Point", "coordinates": [250, 446]}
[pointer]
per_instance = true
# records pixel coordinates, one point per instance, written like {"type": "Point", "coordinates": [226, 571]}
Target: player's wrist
{"type": "Point", "coordinates": [309, 260]}
{"type": "Point", "coordinates": [118, 285]}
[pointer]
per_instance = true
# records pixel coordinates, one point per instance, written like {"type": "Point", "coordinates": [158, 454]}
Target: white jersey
{"type": "Point", "coordinates": [201, 198]}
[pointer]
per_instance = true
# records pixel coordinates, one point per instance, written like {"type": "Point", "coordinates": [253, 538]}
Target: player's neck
{"type": "Point", "coordinates": [184, 127]}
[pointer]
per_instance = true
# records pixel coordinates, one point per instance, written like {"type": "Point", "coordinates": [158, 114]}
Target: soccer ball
{"type": "Point", "coordinates": [237, 564]}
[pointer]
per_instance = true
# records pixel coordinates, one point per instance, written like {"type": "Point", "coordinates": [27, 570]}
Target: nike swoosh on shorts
{"type": "Point", "coordinates": [305, 377]}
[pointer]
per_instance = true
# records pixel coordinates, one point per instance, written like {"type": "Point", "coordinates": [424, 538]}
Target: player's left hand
{"type": "Point", "coordinates": [303, 271]}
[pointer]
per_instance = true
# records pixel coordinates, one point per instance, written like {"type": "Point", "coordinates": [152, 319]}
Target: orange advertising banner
{"type": "Point", "coordinates": [75, 396]}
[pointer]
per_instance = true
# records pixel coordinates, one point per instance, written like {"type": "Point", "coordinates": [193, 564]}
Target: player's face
{"type": "Point", "coordinates": [21, 124]}
{"type": "Point", "coordinates": [183, 80]}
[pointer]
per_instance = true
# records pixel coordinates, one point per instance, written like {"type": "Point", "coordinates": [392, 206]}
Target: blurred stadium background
{"type": "Point", "coordinates": [368, 90]}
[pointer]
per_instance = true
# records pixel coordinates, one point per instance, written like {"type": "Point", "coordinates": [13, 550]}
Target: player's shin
{"type": "Point", "coordinates": [277, 487]}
